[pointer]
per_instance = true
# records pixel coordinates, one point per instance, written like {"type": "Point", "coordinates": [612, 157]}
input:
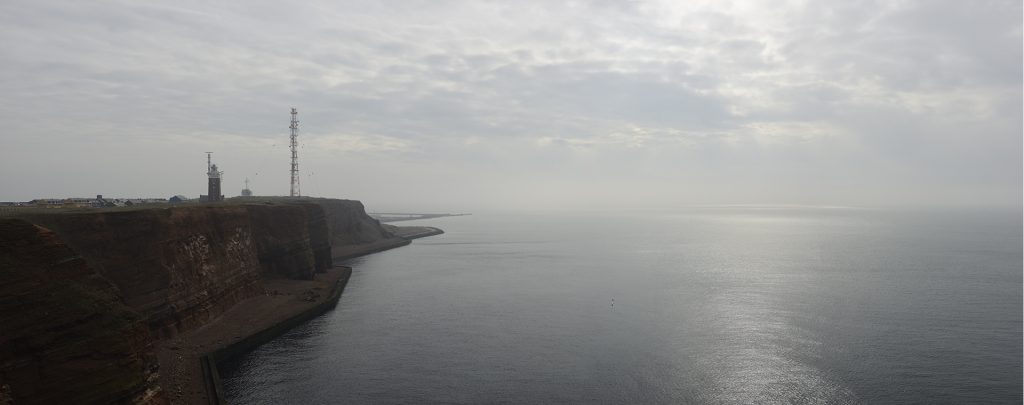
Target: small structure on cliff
{"type": "Point", "coordinates": [246, 192]}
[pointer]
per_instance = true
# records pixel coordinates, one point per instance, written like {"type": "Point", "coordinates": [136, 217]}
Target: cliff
{"type": "Point", "coordinates": [283, 240]}
{"type": "Point", "coordinates": [349, 225]}
{"type": "Point", "coordinates": [176, 267]}
{"type": "Point", "coordinates": [102, 285]}
{"type": "Point", "coordinates": [66, 332]}
{"type": "Point", "coordinates": [352, 232]}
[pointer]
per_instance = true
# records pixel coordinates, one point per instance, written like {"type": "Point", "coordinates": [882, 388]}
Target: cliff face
{"type": "Point", "coordinates": [282, 240]}
{"type": "Point", "coordinates": [65, 331]}
{"type": "Point", "coordinates": [319, 236]}
{"type": "Point", "coordinates": [178, 268]}
{"type": "Point", "coordinates": [81, 305]}
{"type": "Point", "coordinates": [291, 239]}
{"type": "Point", "coordinates": [348, 224]}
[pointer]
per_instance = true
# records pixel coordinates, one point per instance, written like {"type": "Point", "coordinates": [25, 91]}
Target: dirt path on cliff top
{"type": "Point", "coordinates": [181, 374]}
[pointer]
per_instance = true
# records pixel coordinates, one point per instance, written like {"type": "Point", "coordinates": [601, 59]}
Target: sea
{"type": "Point", "coordinates": [701, 305]}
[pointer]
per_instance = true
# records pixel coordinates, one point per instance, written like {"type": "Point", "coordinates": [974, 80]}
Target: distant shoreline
{"type": "Point", "coordinates": [395, 216]}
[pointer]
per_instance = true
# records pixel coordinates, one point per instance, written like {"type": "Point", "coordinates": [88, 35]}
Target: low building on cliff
{"type": "Point", "coordinates": [47, 202]}
{"type": "Point", "coordinates": [141, 201]}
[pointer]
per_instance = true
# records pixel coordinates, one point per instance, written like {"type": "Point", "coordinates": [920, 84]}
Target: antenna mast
{"type": "Point", "coordinates": [295, 154]}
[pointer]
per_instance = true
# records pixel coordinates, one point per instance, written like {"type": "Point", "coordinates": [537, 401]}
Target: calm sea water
{"type": "Point", "coordinates": [724, 305]}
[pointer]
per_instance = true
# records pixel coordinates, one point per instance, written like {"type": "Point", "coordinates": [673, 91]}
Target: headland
{"type": "Point", "coordinates": [120, 305]}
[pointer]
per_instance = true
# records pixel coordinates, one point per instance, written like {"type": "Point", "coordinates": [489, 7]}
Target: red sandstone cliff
{"type": "Point", "coordinates": [177, 267]}
{"type": "Point", "coordinates": [66, 334]}
{"type": "Point", "coordinates": [352, 231]}
{"type": "Point", "coordinates": [77, 307]}
{"type": "Point", "coordinates": [282, 238]}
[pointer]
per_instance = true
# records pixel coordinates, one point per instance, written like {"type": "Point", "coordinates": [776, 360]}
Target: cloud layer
{"type": "Point", "coordinates": [438, 104]}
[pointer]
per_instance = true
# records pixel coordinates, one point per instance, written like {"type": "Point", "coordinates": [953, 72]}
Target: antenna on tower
{"type": "Point", "coordinates": [295, 154]}
{"type": "Point", "coordinates": [208, 161]}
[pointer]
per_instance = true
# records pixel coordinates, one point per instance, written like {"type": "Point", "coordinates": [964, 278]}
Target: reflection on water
{"type": "Point", "coordinates": [739, 305]}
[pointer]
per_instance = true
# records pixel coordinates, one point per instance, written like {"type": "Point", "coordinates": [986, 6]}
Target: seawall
{"type": "Point", "coordinates": [259, 335]}
{"type": "Point", "coordinates": [85, 297]}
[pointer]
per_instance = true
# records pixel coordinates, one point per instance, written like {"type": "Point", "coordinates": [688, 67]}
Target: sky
{"type": "Point", "coordinates": [449, 106]}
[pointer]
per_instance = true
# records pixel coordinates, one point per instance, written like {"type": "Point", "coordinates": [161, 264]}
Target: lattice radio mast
{"type": "Point", "coordinates": [295, 154]}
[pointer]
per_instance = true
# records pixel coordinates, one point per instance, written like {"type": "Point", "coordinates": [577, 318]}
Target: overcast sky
{"type": "Point", "coordinates": [450, 106]}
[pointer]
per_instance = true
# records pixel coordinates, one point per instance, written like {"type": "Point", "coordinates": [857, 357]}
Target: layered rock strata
{"type": "Point", "coordinates": [65, 333]}
{"type": "Point", "coordinates": [83, 295]}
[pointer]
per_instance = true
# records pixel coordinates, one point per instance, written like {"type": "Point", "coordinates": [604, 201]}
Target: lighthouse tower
{"type": "Point", "coordinates": [213, 184]}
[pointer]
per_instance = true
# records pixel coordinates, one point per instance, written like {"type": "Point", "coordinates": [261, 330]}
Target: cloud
{"type": "Point", "coordinates": [343, 144]}
{"type": "Point", "coordinates": [923, 90]}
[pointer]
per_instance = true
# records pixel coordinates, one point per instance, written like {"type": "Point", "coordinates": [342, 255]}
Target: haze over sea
{"type": "Point", "coordinates": [703, 305]}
